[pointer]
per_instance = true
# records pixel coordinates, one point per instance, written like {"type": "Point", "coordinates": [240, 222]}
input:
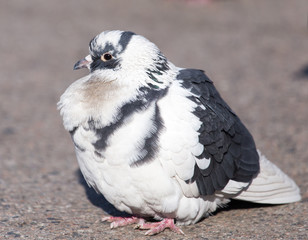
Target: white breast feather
{"type": "Point", "coordinates": [128, 139]}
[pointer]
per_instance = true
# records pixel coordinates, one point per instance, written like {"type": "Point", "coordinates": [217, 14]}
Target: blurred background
{"type": "Point", "coordinates": [256, 52]}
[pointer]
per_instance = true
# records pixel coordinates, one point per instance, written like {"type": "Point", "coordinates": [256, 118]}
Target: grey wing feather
{"type": "Point", "coordinates": [227, 142]}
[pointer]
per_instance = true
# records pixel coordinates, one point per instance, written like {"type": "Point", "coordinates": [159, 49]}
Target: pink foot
{"type": "Point", "coordinates": [157, 227]}
{"type": "Point", "coordinates": [120, 221]}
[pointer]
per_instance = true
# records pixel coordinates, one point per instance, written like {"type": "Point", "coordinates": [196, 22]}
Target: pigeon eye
{"type": "Point", "coordinates": [106, 57]}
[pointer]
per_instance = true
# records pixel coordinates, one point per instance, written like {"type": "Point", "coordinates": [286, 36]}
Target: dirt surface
{"type": "Point", "coordinates": [256, 52]}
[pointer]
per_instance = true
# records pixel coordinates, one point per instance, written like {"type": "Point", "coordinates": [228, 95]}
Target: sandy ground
{"type": "Point", "coordinates": [254, 51]}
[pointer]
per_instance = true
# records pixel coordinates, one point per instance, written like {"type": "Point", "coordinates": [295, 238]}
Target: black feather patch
{"type": "Point", "coordinates": [125, 39]}
{"type": "Point", "coordinates": [160, 66]}
{"type": "Point", "coordinates": [144, 100]}
{"type": "Point", "coordinates": [228, 144]}
{"type": "Point", "coordinates": [151, 143]}
{"type": "Point", "coordinates": [72, 132]}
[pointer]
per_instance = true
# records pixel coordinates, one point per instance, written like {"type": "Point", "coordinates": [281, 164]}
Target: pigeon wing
{"type": "Point", "coordinates": [228, 145]}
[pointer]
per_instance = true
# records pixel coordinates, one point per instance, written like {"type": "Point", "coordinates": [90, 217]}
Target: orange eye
{"type": "Point", "coordinates": [106, 57]}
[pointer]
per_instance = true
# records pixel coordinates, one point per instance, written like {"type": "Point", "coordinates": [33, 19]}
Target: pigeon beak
{"type": "Point", "coordinates": [83, 63]}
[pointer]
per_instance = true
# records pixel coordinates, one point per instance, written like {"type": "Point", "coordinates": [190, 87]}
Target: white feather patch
{"type": "Point", "coordinates": [203, 163]}
{"type": "Point", "coordinates": [180, 136]}
{"type": "Point", "coordinates": [270, 186]}
{"type": "Point", "coordinates": [126, 141]}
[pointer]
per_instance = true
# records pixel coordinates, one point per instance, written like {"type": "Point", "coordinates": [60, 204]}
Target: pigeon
{"type": "Point", "coordinates": [158, 141]}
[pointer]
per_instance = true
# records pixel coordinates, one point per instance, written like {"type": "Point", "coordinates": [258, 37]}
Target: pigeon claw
{"type": "Point", "coordinates": [152, 227]}
{"type": "Point", "coordinates": [158, 227]}
{"type": "Point", "coordinates": [120, 221]}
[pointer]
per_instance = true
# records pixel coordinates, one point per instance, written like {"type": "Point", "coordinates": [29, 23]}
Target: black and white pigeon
{"type": "Point", "coordinates": [158, 141]}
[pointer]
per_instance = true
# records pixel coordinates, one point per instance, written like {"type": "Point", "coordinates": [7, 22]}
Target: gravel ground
{"type": "Point", "coordinates": [255, 51]}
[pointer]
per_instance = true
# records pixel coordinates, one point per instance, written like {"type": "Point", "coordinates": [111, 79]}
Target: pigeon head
{"type": "Point", "coordinates": [118, 55]}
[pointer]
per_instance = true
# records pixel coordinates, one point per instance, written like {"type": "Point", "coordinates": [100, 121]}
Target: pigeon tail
{"type": "Point", "coordinates": [271, 186]}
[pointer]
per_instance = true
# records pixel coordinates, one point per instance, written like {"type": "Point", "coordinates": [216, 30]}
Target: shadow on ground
{"type": "Point", "coordinates": [99, 200]}
{"type": "Point", "coordinates": [302, 73]}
